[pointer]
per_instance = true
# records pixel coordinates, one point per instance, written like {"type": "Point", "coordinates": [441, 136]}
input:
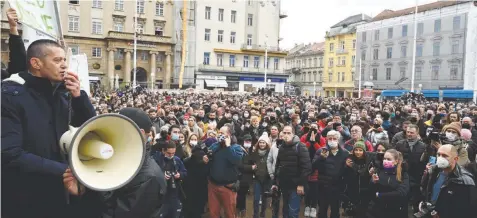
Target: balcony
{"type": "Point", "coordinates": [141, 37]}
{"type": "Point", "coordinates": [341, 51]}
{"type": "Point", "coordinates": [203, 67]}
{"type": "Point", "coordinates": [296, 70]}
{"type": "Point", "coordinates": [261, 48]}
{"type": "Point", "coordinates": [283, 14]}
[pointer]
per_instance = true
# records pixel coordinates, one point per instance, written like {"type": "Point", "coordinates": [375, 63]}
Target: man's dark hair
{"type": "Point", "coordinates": [174, 127]}
{"type": "Point", "coordinates": [37, 49]}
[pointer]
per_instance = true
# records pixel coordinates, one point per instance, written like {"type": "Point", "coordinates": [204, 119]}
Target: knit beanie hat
{"type": "Point", "coordinates": [454, 126]}
{"type": "Point", "coordinates": [360, 144]}
{"type": "Point", "coordinates": [264, 138]}
{"type": "Point", "coordinates": [466, 134]}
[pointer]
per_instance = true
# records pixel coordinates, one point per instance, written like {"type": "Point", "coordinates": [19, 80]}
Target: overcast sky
{"type": "Point", "coordinates": [308, 20]}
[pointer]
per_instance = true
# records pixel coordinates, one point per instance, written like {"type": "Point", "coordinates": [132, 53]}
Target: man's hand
{"type": "Point", "coordinates": [254, 167]}
{"type": "Point", "coordinates": [324, 153]}
{"type": "Point", "coordinates": [312, 136]}
{"type": "Point", "coordinates": [205, 159]}
{"type": "Point", "coordinates": [71, 184]}
{"type": "Point", "coordinates": [300, 190]}
{"type": "Point", "coordinates": [349, 162]}
{"type": "Point", "coordinates": [12, 21]}
{"type": "Point", "coordinates": [72, 84]}
{"type": "Point", "coordinates": [177, 175]}
{"type": "Point", "coordinates": [167, 176]}
{"type": "Point", "coordinates": [227, 141]}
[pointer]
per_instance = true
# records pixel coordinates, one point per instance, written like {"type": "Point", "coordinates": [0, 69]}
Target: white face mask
{"type": "Point", "coordinates": [442, 163]}
{"type": "Point", "coordinates": [451, 136]}
{"type": "Point", "coordinates": [193, 143]}
{"type": "Point", "coordinates": [247, 145]}
{"type": "Point", "coordinates": [333, 144]}
{"type": "Point", "coordinates": [235, 117]}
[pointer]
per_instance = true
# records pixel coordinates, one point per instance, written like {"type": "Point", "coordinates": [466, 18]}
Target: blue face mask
{"type": "Point", "coordinates": [175, 137]}
{"type": "Point", "coordinates": [149, 139]}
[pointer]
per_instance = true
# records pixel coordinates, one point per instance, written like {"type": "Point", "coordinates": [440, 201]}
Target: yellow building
{"type": "Point", "coordinates": [340, 57]}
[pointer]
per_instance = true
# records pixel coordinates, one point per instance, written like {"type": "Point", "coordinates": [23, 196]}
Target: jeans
{"type": "Point", "coordinates": [311, 197]}
{"type": "Point", "coordinates": [259, 189]}
{"type": "Point", "coordinates": [328, 198]}
{"type": "Point", "coordinates": [275, 207]}
{"type": "Point", "coordinates": [291, 203]}
{"type": "Point", "coordinates": [171, 208]}
{"type": "Point", "coordinates": [221, 197]}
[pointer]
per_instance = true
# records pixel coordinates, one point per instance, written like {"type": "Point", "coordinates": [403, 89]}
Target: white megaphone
{"type": "Point", "coordinates": [105, 153]}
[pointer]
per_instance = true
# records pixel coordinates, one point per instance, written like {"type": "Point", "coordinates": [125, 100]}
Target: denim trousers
{"type": "Point", "coordinates": [291, 203]}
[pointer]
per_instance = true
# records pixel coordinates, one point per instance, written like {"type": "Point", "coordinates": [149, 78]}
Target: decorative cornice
{"type": "Point", "coordinates": [364, 46]}
{"type": "Point", "coordinates": [375, 64]}
{"type": "Point", "coordinates": [403, 63]}
{"type": "Point", "coordinates": [160, 23]}
{"type": "Point", "coordinates": [420, 62]}
{"type": "Point", "coordinates": [404, 42]}
{"type": "Point", "coordinates": [456, 36]}
{"type": "Point", "coordinates": [437, 38]}
{"type": "Point", "coordinates": [436, 61]}
{"type": "Point", "coordinates": [153, 52]}
{"type": "Point", "coordinates": [390, 43]}
{"type": "Point", "coordinates": [376, 45]}
{"type": "Point", "coordinates": [420, 40]}
{"type": "Point", "coordinates": [454, 60]}
{"type": "Point", "coordinates": [388, 64]}
{"type": "Point", "coordinates": [112, 49]}
{"type": "Point", "coordinates": [128, 50]}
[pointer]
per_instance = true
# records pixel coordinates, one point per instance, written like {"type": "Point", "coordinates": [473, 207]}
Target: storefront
{"type": "Point", "coordinates": [233, 82]}
{"type": "Point", "coordinates": [211, 82]}
{"type": "Point", "coordinates": [252, 84]}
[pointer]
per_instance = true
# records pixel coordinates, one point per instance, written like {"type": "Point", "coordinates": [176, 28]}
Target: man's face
{"type": "Point", "coordinates": [274, 131]}
{"type": "Point", "coordinates": [175, 131]}
{"type": "Point", "coordinates": [287, 134]}
{"type": "Point", "coordinates": [446, 153]}
{"type": "Point", "coordinates": [453, 117]}
{"type": "Point", "coordinates": [411, 133]}
{"type": "Point", "coordinates": [152, 114]}
{"type": "Point", "coordinates": [170, 152]}
{"type": "Point", "coordinates": [355, 133]}
{"type": "Point", "coordinates": [52, 65]}
{"type": "Point", "coordinates": [337, 119]}
{"type": "Point", "coordinates": [404, 127]}
{"type": "Point", "coordinates": [191, 122]}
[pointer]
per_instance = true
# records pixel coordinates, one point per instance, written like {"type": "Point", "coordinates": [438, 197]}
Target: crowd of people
{"type": "Point", "coordinates": [208, 151]}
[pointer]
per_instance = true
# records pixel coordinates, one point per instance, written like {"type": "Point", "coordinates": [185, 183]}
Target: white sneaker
{"type": "Point", "coordinates": [307, 211]}
{"type": "Point", "coordinates": [313, 213]}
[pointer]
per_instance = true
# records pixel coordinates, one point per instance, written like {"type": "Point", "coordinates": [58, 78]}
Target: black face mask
{"type": "Point", "coordinates": [466, 126]}
{"type": "Point", "coordinates": [376, 126]}
{"type": "Point", "coordinates": [380, 156]}
{"type": "Point", "coordinates": [306, 129]}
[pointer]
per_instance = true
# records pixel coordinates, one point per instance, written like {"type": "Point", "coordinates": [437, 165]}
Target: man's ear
{"type": "Point", "coordinates": [35, 63]}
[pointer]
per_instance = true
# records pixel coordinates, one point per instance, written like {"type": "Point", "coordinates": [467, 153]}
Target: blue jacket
{"type": "Point", "coordinates": [34, 117]}
{"type": "Point", "coordinates": [225, 163]}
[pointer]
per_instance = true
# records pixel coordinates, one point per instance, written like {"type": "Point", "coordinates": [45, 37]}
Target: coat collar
{"type": "Point", "coordinates": [42, 85]}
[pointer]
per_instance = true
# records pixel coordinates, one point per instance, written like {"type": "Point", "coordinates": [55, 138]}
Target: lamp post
{"type": "Point", "coordinates": [135, 45]}
{"type": "Point", "coordinates": [314, 89]}
{"type": "Point", "coordinates": [420, 88]}
{"type": "Point", "coordinates": [266, 61]}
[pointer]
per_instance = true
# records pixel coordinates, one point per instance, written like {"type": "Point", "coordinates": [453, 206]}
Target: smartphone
{"type": "Point", "coordinates": [432, 160]}
{"type": "Point", "coordinates": [325, 149]}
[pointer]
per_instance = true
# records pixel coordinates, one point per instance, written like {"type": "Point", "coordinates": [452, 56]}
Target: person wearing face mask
{"type": "Point", "coordinates": [247, 169]}
{"type": "Point", "coordinates": [377, 132]}
{"type": "Point", "coordinates": [412, 148]}
{"type": "Point", "coordinates": [389, 188]}
{"type": "Point", "coordinates": [330, 163]}
{"type": "Point", "coordinates": [174, 135]}
{"type": "Point", "coordinates": [467, 123]}
{"type": "Point", "coordinates": [449, 187]}
{"type": "Point", "coordinates": [452, 136]}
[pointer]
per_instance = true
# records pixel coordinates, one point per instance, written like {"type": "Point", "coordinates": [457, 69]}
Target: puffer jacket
{"type": "Point", "coordinates": [293, 164]}
{"type": "Point", "coordinates": [357, 178]}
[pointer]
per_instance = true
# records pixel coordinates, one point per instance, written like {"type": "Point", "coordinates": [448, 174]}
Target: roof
{"type": "Point", "coordinates": [352, 19]}
{"type": "Point", "coordinates": [315, 48]}
{"type": "Point", "coordinates": [387, 14]}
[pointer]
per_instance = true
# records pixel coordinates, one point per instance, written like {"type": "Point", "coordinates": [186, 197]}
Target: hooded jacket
{"type": "Point", "coordinates": [293, 164]}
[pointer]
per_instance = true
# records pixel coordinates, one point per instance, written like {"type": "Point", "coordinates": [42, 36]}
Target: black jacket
{"type": "Point", "coordinates": [331, 169]}
{"type": "Point", "coordinates": [392, 200]}
{"type": "Point", "coordinates": [412, 159]}
{"type": "Point", "coordinates": [293, 165]}
{"type": "Point", "coordinates": [34, 117]}
{"type": "Point", "coordinates": [17, 55]}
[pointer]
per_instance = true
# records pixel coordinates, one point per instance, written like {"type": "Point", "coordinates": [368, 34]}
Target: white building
{"type": "Point", "coordinates": [231, 37]}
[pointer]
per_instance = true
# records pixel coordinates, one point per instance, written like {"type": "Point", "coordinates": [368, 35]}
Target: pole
{"type": "Point", "coordinates": [314, 90]}
{"type": "Point", "coordinates": [413, 70]}
{"type": "Point", "coordinates": [359, 80]}
{"type": "Point", "coordinates": [135, 46]}
{"type": "Point", "coordinates": [266, 61]}
{"type": "Point", "coordinates": [184, 40]}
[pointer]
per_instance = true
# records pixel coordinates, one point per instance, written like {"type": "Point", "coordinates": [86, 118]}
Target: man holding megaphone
{"type": "Point", "coordinates": [35, 114]}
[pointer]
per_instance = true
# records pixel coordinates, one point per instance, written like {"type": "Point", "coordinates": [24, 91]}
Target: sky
{"type": "Point", "coordinates": [308, 20]}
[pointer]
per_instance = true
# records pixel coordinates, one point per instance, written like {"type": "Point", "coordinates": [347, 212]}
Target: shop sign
{"type": "Point", "coordinates": [261, 79]}
{"type": "Point", "coordinates": [211, 77]}
{"type": "Point", "coordinates": [233, 78]}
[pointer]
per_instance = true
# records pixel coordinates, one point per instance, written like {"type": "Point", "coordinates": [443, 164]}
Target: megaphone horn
{"type": "Point", "coordinates": [106, 152]}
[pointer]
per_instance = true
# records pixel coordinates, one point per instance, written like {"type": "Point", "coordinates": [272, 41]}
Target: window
{"type": "Point", "coordinates": [159, 31]}
{"type": "Point", "coordinates": [435, 72]}
{"type": "Point", "coordinates": [74, 50]}
{"type": "Point", "coordinates": [118, 26]}
{"type": "Point", "coordinates": [207, 35]}
{"type": "Point", "coordinates": [315, 62]}
{"type": "Point", "coordinates": [342, 45]}
{"type": "Point", "coordinates": [276, 62]}
{"type": "Point", "coordinates": [221, 14]}
{"type": "Point", "coordinates": [403, 51]}
{"type": "Point", "coordinates": [376, 35]}
{"type": "Point", "coordinates": [455, 46]}
{"type": "Point", "coordinates": [74, 2]}
{"type": "Point", "coordinates": [354, 43]}
{"type": "Point", "coordinates": [388, 73]}
{"type": "Point", "coordinates": [140, 6]}
{"type": "Point", "coordinates": [119, 5]}
{"type": "Point", "coordinates": [250, 19]}
{"type": "Point", "coordinates": [97, 27]}
{"type": "Point", "coordinates": [266, 63]}
{"type": "Point", "coordinates": [220, 36]}
{"type": "Point", "coordinates": [375, 54]}
{"type": "Point", "coordinates": [437, 25]}
{"type": "Point", "coordinates": [321, 75]}
{"type": "Point", "coordinates": [256, 62]}
{"type": "Point", "coordinates": [436, 49]}
{"type": "Point", "coordinates": [456, 23]}
{"type": "Point", "coordinates": [363, 37]}
{"type": "Point", "coordinates": [97, 4]}
{"type": "Point", "coordinates": [330, 62]}
{"type": "Point", "coordinates": [363, 55]}
{"type": "Point", "coordinates": [390, 33]}
{"type": "Point", "coordinates": [330, 77]}
{"type": "Point", "coordinates": [389, 52]}
{"type": "Point", "coordinates": [332, 47]}
{"type": "Point", "coordinates": [232, 61]}
{"type": "Point", "coordinates": [321, 62]}
{"type": "Point", "coordinates": [245, 61]}
{"type": "Point", "coordinates": [206, 58]}
{"type": "Point", "coordinates": [362, 74]}
{"type": "Point", "coordinates": [418, 73]}
{"type": "Point", "coordinates": [343, 61]}
{"type": "Point", "coordinates": [342, 77]}
{"type": "Point", "coordinates": [249, 2]}
{"type": "Point", "coordinates": [233, 15]}
{"type": "Point", "coordinates": [73, 23]}
{"type": "Point", "coordinates": [140, 28]}
{"type": "Point", "coordinates": [96, 52]}
{"type": "Point", "coordinates": [304, 63]}
{"type": "Point", "coordinates": [207, 13]}
{"type": "Point", "coordinates": [419, 50]}
{"type": "Point", "coordinates": [375, 74]}
{"type": "Point", "coordinates": [402, 72]}
{"type": "Point", "coordinates": [118, 54]}
{"type": "Point", "coordinates": [353, 60]}
{"type": "Point", "coordinates": [404, 30]}
{"type": "Point", "coordinates": [420, 29]}
{"type": "Point", "coordinates": [454, 71]}
{"type": "Point", "coordinates": [144, 56]}
{"type": "Point", "coordinates": [159, 9]}
{"type": "Point", "coordinates": [249, 39]}
{"type": "Point", "coordinates": [232, 37]}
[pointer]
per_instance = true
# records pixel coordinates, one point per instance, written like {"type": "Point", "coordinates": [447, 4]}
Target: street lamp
{"type": "Point", "coordinates": [420, 88]}
{"type": "Point", "coordinates": [266, 61]}
{"type": "Point", "coordinates": [314, 89]}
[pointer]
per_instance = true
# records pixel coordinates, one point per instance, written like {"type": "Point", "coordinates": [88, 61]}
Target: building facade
{"type": "Point", "coordinates": [304, 65]}
{"type": "Point", "coordinates": [232, 38]}
{"type": "Point", "coordinates": [104, 31]}
{"type": "Point", "coordinates": [385, 47]}
{"type": "Point", "coordinates": [340, 57]}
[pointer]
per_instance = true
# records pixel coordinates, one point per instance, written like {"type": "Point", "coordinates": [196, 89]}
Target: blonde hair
{"type": "Point", "coordinates": [188, 147]}
{"type": "Point", "coordinates": [397, 156]}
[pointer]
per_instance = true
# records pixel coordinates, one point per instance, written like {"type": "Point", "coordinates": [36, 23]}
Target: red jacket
{"type": "Point", "coordinates": [314, 176]}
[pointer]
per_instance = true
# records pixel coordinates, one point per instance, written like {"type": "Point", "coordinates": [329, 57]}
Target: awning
{"type": "Point", "coordinates": [217, 83]}
{"type": "Point", "coordinates": [430, 93]}
{"type": "Point", "coordinates": [93, 78]}
{"type": "Point", "coordinates": [393, 93]}
{"type": "Point", "coordinates": [469, 94]}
